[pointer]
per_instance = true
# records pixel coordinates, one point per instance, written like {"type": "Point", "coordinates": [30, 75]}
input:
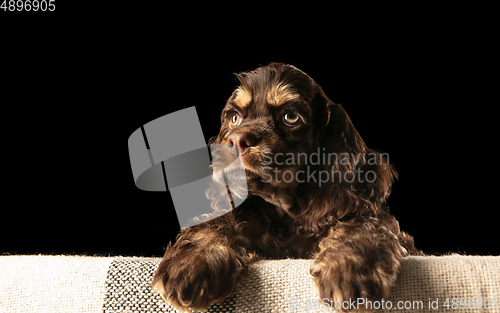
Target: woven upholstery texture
{"type": "Point", "coordinates": [118, 284]}
{"type": "Point", "coordinates": [52, 284]}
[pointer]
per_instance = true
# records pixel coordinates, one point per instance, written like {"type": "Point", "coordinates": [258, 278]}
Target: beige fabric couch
{"type": "Point", "coordinates": [113, 284]}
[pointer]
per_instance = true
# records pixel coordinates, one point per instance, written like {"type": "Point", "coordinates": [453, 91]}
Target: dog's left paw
{"type": "Point", "coordinates": [348, 282]}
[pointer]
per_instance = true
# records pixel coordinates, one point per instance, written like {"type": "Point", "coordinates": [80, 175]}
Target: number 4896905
{"type": "Point", "coordinates": [28, 5]}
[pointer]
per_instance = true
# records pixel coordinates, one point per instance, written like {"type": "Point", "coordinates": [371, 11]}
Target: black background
{"type": "Point", "coordinates": [77, 90]}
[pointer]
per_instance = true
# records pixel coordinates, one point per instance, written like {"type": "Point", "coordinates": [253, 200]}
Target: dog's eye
{"type": "Point", "coordinates": [291, 119]}
{"type": "Point", "coordinates": [235, 120]}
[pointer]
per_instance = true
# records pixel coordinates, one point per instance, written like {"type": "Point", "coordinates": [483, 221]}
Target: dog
{"type": "Point", "coordinates": [315, 191]}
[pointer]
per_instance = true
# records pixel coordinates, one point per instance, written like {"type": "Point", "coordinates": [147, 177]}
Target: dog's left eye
{"type": "Point", "coordinates": [291, 119]}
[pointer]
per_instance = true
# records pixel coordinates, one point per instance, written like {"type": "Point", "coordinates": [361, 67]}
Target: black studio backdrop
{"type": "Point", "coordinates": [404, 99]}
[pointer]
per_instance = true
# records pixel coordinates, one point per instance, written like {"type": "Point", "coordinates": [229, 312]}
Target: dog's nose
{"type": "Point", "coordinates": [241, 141]}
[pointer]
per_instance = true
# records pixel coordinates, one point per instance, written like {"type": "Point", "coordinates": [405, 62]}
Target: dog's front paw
{"type": "Point", "coordinates": [194, 280]}
{"type": "Point", "coordinates": [348, 282]}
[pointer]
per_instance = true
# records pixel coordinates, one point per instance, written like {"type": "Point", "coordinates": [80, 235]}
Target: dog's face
{"type": "Point", "coordinates": [276, 120]}
{"type": "Point", "coordinates": [272, 119]}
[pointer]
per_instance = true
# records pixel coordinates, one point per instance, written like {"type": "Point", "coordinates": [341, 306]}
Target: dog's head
{"type": "Point", "coordinates": [289, 134]}
{"type": "Point", "coordinates": [271, 114]}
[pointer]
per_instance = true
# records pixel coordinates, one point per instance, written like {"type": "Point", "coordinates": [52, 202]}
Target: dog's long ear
{"type": "Point", "coordinates": [337, 133]}
{"type": "Point", "coordinates": [361, 178]}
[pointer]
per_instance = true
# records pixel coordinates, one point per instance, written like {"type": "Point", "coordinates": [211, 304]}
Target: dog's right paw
{"type": "Point", "coordinates": [196, 280]}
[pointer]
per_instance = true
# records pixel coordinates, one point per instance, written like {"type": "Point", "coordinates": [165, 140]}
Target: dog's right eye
{"type": "Point", "coordinates": [235, 120]}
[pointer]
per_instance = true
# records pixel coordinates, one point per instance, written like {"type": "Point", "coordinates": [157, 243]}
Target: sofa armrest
{"type": "Point", "coordinates": [117, 284]}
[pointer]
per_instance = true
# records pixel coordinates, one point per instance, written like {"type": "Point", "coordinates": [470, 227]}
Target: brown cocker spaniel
{"type": "Point", "coordinates": [315, 191]}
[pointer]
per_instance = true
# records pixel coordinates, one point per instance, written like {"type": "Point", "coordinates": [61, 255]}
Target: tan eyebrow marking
{"type": "Point", "coordinates": [243, 98]}
{"type": "Point", "coordinates": [280, 94]}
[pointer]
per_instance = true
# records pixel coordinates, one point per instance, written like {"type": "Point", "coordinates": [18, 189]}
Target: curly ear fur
{"type": "Point", "coordinates": [360, 178]}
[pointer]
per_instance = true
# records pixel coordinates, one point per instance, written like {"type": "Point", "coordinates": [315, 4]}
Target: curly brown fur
{"type": "Point", "coordinates": [292, 211]}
